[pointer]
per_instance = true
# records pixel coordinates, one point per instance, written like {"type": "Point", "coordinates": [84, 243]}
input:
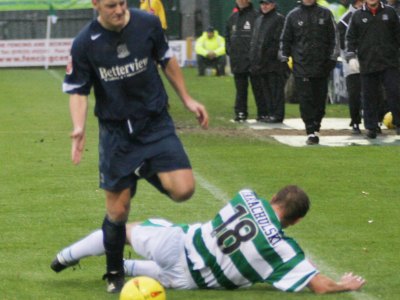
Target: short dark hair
{"type": "Point", "coordinates": [294, 202]}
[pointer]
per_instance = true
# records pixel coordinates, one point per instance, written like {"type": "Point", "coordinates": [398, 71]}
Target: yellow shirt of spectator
{"type": "Point", "coordinates": [156, 8]}
{"type": "Point", "coordinates": [323, 3]}
{"type": "Point", "coordinates": [207, 43]}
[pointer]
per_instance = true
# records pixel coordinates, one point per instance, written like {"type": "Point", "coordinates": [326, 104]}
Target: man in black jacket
{"type": "Point", "coordinates": [238, 36]}
{"type": "Point", "coordinates": [395, 4]}
{"type": "Point", "coordinates": [374, 36]}
{"type": "Point", "coordinates": [351, 74]}
{"type": "Point", "coordinates": [310, 37]}
{"type": "Point", "coordinates": [268, 71]}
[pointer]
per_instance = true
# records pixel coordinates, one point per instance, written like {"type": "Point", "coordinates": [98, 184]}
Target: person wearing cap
{"type": "Point", "coordinates": [309, 35]}
{"type": "Point", "coordinates": [374, 37]}
{"type": "Point", "coordinates": [268, 71]}
{"type": "Point", "coordinates": [210, 50]}
{"type": "Point", "coordinates": [239, 29]}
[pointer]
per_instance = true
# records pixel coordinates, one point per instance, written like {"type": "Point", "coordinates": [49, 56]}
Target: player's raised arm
{"type": "Point", "coordinates": [322, 284]}
{"type": "Point", "coordinates": [78, 105]}
{"type": "Point", "coordinates": [175, 77]}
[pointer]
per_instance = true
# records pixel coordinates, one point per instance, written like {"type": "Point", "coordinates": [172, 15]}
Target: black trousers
{"type": "Point", "coordinates": [270, 94]}
{"type": "Point", "coordinates": [353, 85]}
{"type": "Point", "coordinates": [218, 63]}
{"type": "Point", "coordinates": [312, 95]}
{"type": "Point", "coordinates": [242, 85]}
{"type": "Point", "coordinates": [372, 96]}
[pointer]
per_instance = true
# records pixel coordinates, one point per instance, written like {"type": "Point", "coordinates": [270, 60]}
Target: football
{"type": "Point", "coordinates": [142, 288]}
{"type": "Point", "coordinates": [388, 120]}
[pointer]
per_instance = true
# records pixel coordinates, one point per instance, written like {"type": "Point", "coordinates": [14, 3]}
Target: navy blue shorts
{"type": "Point", "coordinates": [120, 156]}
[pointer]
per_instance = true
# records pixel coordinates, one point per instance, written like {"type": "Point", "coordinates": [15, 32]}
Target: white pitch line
{"type": "Point", "coordinates": [222, 196]}
{"type": "Point", "coordinates": [56, 75]}
{"type": "Point", "coordinates": [212, 189]}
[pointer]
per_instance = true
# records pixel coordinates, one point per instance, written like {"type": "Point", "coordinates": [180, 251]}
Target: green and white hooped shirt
{"type": "Point", "coordinates": [244, 244]}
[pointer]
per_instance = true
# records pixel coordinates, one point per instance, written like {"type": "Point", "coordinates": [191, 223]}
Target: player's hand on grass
{"type": "Point", "coordinates": [78, 144]}
{"type": "Point", "coordinates": [200, 111]}
{"type": "Point", "coordinates": [351, 282]}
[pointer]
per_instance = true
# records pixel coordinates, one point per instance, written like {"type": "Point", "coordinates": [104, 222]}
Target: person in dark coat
{"type": "Point", "coordinates": [374, 37]}
{"type": "Point", "coordinates": [239, 29]}
{"type": "Point", "coordinates": [352, 75]}
{"type": "Point", "coordinates": [310, 37]}
{"type": "Point", "coordinates": [269, 72]}
{"type": "Point", "coordinates": [395, 4]}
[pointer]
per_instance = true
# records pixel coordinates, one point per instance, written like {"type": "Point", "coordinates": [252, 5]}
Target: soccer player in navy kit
{"type": "Point", "coordinates": [118, 54]}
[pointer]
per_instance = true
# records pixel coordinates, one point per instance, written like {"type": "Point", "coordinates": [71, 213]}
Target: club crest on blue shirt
{"type": "Point", "coordinates": [122, 51]}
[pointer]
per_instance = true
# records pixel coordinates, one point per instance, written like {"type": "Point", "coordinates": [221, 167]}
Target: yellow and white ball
{"type": "Point", "coordinates": [142, 288]}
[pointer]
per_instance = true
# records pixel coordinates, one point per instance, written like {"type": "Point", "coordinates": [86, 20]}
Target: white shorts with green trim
{"type": "Point", "coordinates": [158, 240]}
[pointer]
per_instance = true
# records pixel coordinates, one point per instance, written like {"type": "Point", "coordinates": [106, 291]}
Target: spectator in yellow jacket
{"type": "Point", "coordinates": [323, 3]}
{"type": "Point", "coordinates": [211, 52]}
{"type": "Point", "coordinates": [338, 8]}
{"type": "Point", "coordinates": [156, 8]}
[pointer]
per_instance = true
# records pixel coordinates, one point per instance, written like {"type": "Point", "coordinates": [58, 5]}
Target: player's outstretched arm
{"type": "Point", "coordinates": [175, 77]}
{"type": "Point", "coordinates": [78, 105]}
{"type": "Point", "coordinates": [322, 284]}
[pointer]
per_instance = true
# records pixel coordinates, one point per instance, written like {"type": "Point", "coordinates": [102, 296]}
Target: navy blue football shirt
{"type": "Point", "coordinates": [121, 67]}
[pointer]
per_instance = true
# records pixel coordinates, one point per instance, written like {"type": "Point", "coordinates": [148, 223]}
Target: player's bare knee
{"type": "Point", "coordinates": [182, 194]}
{"type": "Point", "coordinates": [118, 205]}
{"type": "Point", "coordinates": [119, 213]}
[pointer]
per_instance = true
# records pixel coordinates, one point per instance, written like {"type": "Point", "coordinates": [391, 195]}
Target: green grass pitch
{"type": "Point", "coordinates": [46, 203]}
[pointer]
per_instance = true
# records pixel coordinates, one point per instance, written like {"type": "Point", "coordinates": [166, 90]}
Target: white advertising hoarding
{"type": "Point", "coordinates": [54, 52]}
{"type": "Point", "coordinates": [33, 53]}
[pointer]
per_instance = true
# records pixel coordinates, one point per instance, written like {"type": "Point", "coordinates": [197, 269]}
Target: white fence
{"type": "Point", "coordinates": [55, 52]}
